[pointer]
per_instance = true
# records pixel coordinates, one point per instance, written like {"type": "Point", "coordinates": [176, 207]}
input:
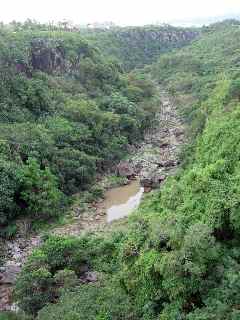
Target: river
{"type": "Point", "coordinates": [153, 161]}
{"type": "Point", "coordinates": [120, 202]}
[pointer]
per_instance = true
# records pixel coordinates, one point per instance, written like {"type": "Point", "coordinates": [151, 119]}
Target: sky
{"type": "Point", "coordinates": [121, 12]}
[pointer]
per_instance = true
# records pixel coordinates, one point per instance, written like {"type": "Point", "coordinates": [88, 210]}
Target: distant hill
{"type": "Point", "coordinates": [199, 21]}
{"type": "Point", "coordinates": [138, 46]}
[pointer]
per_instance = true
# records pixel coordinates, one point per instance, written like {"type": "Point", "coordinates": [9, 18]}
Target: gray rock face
{"type": "Point", "coordinates": [47, 58]}
{"type": "Point", "coordinates": [91, 277]}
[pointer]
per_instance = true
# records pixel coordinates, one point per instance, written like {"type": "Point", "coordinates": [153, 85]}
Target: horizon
{"type": "Point", "coordinates": [197, 22]}
{"type": "Point", "coordinates": [121, 13]}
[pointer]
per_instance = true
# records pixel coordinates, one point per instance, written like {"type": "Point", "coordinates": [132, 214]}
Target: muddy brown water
{"type": "Point", "coordinates": [121, 201]}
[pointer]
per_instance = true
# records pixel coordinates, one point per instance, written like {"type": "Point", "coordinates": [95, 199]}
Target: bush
{"type": "Point", "coordinates": [93, 301]}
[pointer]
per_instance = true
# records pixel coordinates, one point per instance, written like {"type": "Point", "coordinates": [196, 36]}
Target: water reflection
{"type": "Point", "coordinates": [121, 201]}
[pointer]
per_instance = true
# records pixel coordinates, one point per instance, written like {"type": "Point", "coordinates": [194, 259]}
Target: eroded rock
{"type": "Point", "coordinates": [151, 179]}
{"type": "Point", "coordinates": [125, 169]}
{"type": "Point", "coordinates": [10, 274]}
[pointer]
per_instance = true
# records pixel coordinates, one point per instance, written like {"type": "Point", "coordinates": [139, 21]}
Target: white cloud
{"type": "Point", "coordinates": [119, 11]}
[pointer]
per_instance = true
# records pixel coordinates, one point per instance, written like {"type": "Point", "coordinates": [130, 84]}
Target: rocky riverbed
{"type": "Point", "coordinates": [16, 252]}
{"type": "Point", "coordinates": [157, 156]}
{"type": "Point", "coordinates": [151, 162]}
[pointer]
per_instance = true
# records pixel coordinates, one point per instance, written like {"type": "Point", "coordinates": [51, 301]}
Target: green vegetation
{"type": "Point", "coordinates": [179, 256]}
{"type": "Point", "coordinates": [59, 264]}
{"type": "Point", "coordinates": [66, 115]}
{"type": "Point", "coordinates": [135, 47]}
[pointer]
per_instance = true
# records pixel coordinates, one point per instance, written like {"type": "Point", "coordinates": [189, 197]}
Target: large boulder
{"type": "Point", "coordinates": [125, 169]}
{"type": "Point", "coordinates": [151, 179]}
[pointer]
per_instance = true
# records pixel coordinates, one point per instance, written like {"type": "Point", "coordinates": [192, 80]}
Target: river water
{"type": "Point", "coordinates": [121, 201]}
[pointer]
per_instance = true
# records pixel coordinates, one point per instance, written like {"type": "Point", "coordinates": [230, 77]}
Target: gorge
{"type": "Point", "coordinates": [147, 118]}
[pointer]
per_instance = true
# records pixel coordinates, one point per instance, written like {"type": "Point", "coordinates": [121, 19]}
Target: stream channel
{"type": "Point", "coordinates": [150, 163]}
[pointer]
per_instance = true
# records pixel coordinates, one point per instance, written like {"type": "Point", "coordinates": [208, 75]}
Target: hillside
{"type": "Point", "coordinates": [177, 256]}
{"type": "Point", "coordinates": [135, 47]}
{"type": "Point", "coordinates": [67, 114]}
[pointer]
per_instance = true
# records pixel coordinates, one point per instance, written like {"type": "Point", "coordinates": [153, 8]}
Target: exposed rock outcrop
{"type": "Point", "coordinates": [157, 156]}
{"type": "Point", "coordinates": [46, 57]}
{"type": "Point", "coordinates": [138, 46]}
{"type": "Point", "coordinates": [16, 252]}
{"type": "Point", "coordinates": [125, 169]}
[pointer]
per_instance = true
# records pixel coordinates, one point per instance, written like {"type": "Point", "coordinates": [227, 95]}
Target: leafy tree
{"type": "Point", "coordinates": [9, 187]}
{"type": "Point", "coordinates": [38, 193]}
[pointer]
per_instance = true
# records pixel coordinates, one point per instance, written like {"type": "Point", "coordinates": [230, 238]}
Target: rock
{"type": "Point", "coordinates": [178, 132]}
{"type": "Point", "coordinates": [46, 57]}
{"type": "Point", "coordinates": [168, 163]}
{"type": "Point", "coordinates": [84, 268]}
{"type": "Point", "coordinates": [5, 298]}
{"type": "Point", "coordinates": [125, 169]}
{"type": "Point", "coordinates": [9, 276]}
{"type": "Point", "coordinates": [91, 276]}
{"type": "Point", "coordinates": [151, 179]}
{"type": "Point", "coordinates": [147, 189]}
{"type": "Point", "coordinates": [164, 144]}
{"type": "Point", "coordinates": [131, 148]}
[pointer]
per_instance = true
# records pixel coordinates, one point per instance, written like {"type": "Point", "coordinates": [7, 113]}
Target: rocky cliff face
{"type": "Point", "coordinates": [165, 36]}
{"type": "Point", "coordinates": [51, 55]}
{"type": "Point", "coordinates": [45, 57]}
{"type": "Point", "coordinates": [138, 46]}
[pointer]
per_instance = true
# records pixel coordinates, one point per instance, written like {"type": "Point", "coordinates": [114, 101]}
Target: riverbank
{"type": "Point", "coordinates": [151, 162]}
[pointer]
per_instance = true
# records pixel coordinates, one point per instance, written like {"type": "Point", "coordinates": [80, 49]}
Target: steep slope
{"type": "Point", "coordinates": [178, 258]}
{"type": "Point", "coordinates": [67, 114]}
{"type": "Point", "coordinates": [135, 47]}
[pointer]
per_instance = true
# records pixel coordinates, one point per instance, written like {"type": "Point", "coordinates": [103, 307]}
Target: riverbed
{"type": "Point", "coordinates": [154, 160]}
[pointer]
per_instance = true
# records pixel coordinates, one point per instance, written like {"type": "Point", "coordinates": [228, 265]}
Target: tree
{"type": "Point", "coordinates": [39, 193]}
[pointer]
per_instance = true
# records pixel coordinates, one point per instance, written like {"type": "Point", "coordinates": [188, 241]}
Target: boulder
{"type": "Point", "coordinates": [168, 163]}
{"type": "Point", "coordinates": [91, 276]}
{"type": "Point", "coordinates": [125, 169]}
{"type": "Point", "coordinates": [5, 298]}
{"type": "Point", "coordinates": [151, 179]}
{"type": "Point", "coordinates": [10, 274]}
{"type": "Point", "coordinates": [178, 132]}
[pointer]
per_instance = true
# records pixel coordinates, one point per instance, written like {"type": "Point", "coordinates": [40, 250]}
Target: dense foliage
{"type": "Point", "coordinates": [135, 47]}
{"type": "Point", "coordinates": [66, 114]}
{"type": "Point", "coordinates": [179, 257]}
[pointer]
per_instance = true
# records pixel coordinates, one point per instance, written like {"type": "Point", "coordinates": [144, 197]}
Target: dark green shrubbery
{"type": "Point", "coordinates": [58, 264]}
{"type": "Point", "coordinates": [137, 46]}
{"type": "Point", "coordinates": [26, 189]}
{"type": "Point", "coordinates": [66, 115]}
{"type": "Point", "coordinates": [38, 191]}
{"type": "Point", "coordinates": [179, 257]}
{"type": "Point", "coordinates": [93, 301]}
